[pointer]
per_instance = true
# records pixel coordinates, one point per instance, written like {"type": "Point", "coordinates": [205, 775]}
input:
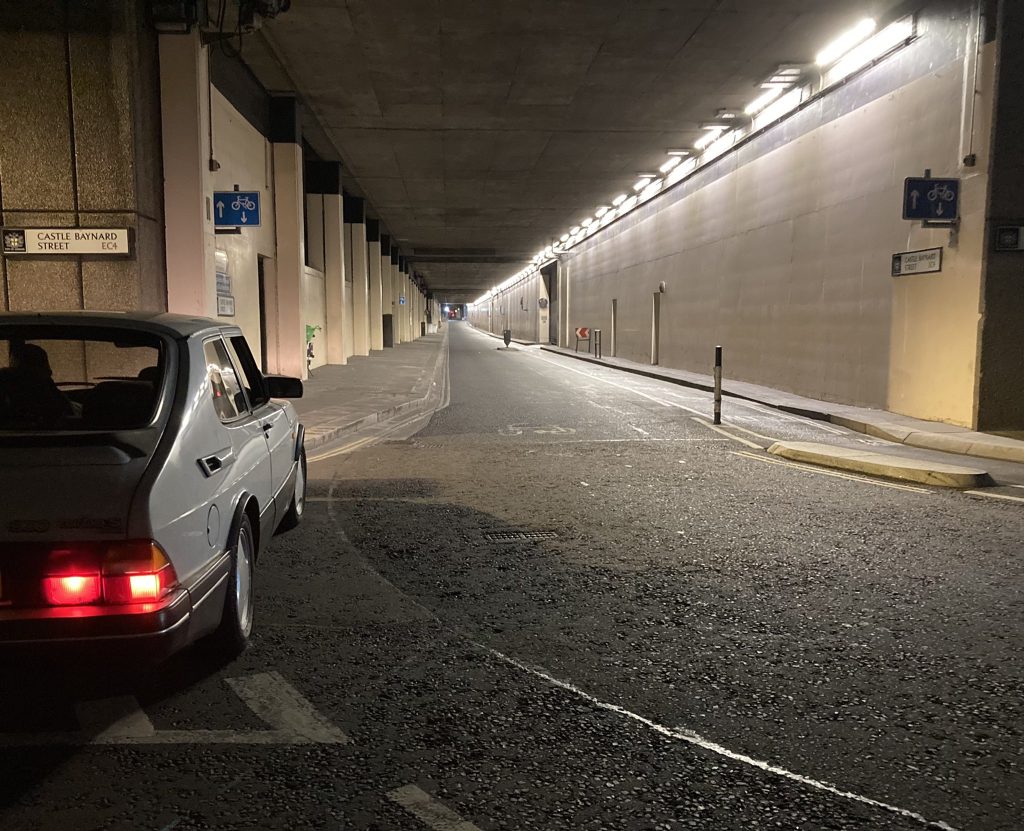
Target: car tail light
{"type": "Point", "coordinates": [133, 571]}
{"type": "Point", "coordinates": [71, 589]}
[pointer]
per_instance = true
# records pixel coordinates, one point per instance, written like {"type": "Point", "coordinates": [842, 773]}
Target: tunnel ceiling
{"type": "Point", "coordinates": [480, 129]}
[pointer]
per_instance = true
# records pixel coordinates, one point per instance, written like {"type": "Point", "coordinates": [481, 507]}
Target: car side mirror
{"type": "Point", "coordinates": [281, 386]}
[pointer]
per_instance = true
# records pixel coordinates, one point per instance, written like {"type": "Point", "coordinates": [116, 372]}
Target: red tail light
{"type": "Point", "coordinates": [71, 589]}
{"type": "Point", "coordinates": [133, 571]}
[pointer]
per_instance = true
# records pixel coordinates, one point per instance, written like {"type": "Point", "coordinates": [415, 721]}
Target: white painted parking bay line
{"type": "Point", "coordinates": [281, 706]}
{"type": "Point", "coordinates": [1003, 496]}
{"type": "Point", "coordinates": [713, 747]}
{"type": "Point", "coordinates": [114, 720]}
{"type": "Point", "coordinates": [428, 810]}
{"type": "Point", "coordinates": [120, 720]}
{"type": "Point", "coordinates": [726, 433]}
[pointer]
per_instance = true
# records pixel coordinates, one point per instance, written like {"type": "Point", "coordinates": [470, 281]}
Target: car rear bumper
{"type": "Point", "coordinates": [148, 632]}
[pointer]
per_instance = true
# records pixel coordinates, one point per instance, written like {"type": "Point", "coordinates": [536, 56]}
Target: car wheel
{"type": "Point", "coordinates": [235, 627]}
{"type": "Point", "coordinates": [298, 503]}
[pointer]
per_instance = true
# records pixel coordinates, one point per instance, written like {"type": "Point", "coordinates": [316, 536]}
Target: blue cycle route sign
{"type": "Point", "coordinates": [236, 208]}
{"type": "Point", "coordinates": [931, 200]}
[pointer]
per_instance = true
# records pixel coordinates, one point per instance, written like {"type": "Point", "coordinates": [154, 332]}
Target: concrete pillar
{"type": "Point", "coordinates": [355, 253]}
{"type": "Point", "coordinates": [388, 303]}
{"type": "Point", "coordinates": [373, 237]}
{"type": "Point", "coordinates": [288, 355]}
{"type": "Point", "coordinates": [324, 179]}
{"type": "Point", "coordinates": [1000, 394]}
{"type": "Point", "coordinates": [188, 220]}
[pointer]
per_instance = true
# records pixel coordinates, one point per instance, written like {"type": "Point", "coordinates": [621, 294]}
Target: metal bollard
{"type": "Point", "coordinates": [597, 343]}
{"type": "Point", "coordinates": [718, 385]}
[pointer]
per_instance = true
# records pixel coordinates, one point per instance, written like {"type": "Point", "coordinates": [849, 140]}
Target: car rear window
{"type": "Point", "coordinates": [78, 378]}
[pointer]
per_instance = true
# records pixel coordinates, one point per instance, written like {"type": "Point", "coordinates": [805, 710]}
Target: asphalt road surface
{"type": "Point", "coordinates": [568, 603]}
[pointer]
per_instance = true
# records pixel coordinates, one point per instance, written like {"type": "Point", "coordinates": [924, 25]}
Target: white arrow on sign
{"type": "Point", "coordinates": [914, 196]}
{"type": "Point", "coordinates": [243, 217]}
{"type": "Point", "coordinates": [220, 209]}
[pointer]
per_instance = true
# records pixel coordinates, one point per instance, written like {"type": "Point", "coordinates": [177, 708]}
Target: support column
{"type": "Point", "coordinates": [188, 229]}
{"type": "Point", "coordinates": [373, 237]}
{"type": "Point", "coordinates": [398, 288]}
{"type": "Point", "coordinates": [355, 252]}
{"type": "Point", "coordinates": [289, 357]}
{"type": "Point", "coordinates": [1000, 396]}
{"type": "Point", "coordinates": [325, 178]}
{"type": "Point", "coordinates": [388, 287]}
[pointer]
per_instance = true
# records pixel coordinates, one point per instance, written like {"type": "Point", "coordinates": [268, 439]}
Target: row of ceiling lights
{"type": "Point", "coordinates": [783, 92]}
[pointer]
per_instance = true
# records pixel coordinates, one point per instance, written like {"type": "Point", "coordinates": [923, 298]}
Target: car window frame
{"type": "Point", "coordinates": [237, 363]}
{"type": "Point", "coordinates": [243, 414]}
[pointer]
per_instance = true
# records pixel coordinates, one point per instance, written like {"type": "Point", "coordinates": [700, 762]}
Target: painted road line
{"type": "Point", "coordinates": [1003, 496]}
{"type": "Point", "coordinates": [834, 473]}
{"type": "Point", "coordinates": [114, 720]}
{"type": "Point", "coordinates": [705, 744]}
{"type": "Point", "coordinates": [428, 810]}
{"type": "Point", "coordinates": [772, 411]}
{"type": "Point", "coordinates": [348, 448]}
{"type": "Point", "coordinates": [281, 706]}
{"type": "Point", "coordinates": [727, 434]}
{"type": "Point", "coordinates": [641, 432]}
{"type": "Point", "coordinates": [735, 426]}
{"type": "Point", "coordinates": [121, 721]}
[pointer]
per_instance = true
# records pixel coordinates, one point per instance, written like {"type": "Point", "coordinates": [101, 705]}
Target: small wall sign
{"type": "Point", "coordinates": [225, 306]}
{"type": "Point", "coordinates": [925, 261]}
{"type": "Point", "coordinates": [49, 241]}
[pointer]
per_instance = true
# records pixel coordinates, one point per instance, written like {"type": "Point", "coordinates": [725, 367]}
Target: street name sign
{"type": "Point", "coordinates": [236, 208]}
{"type": "Point", "coordinates": [65, 241]}
{"type": "Point", "coordinates": [931, 200]}
{"type": "Point", "coordinates": [925, 261]}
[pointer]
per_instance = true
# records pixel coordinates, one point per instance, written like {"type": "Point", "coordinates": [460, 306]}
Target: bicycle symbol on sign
{"type": "Point", "coordinates": [245, 203]}
{"type": "Point", "coordinates": [942, 193]}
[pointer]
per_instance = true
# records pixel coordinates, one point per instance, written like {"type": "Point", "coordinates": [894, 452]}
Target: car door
{"type": "Point", "coordinates": [273, 419]}
{"type": "Point", "coordinates": [245, 461]}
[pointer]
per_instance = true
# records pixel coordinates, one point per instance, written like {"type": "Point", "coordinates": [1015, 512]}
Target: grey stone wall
{"type": "Point", "coordinates": [80, 146]}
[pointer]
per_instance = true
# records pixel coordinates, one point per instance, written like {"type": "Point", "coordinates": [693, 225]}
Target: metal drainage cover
{"type": "Point", "coordinates": [517, 536]}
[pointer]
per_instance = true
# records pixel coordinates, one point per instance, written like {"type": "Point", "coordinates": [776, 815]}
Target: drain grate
{"type": "Point", "coordinates": [519, 536]}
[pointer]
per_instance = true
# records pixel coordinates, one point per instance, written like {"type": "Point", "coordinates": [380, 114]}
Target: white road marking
{"type": "Point", "coordinates": [585, 484]}
{"type": "Point", "coordinates": [428, 810]}
{"type": "Point", "coordinates": [641, 432]}
{"type": "Point", "coordinates": [1017, 486]}
{"type": "Point", "coordinates": [726, 433]}
{"type": "Point", "coordinates": [114, 720]}
{"type": "Point", "coordinates": [834, 473]}
{"type": "Point", "coordinates": [348, 448]}
{"type": "Point", "coordinates": [693, 738]}
{"type": "Point", "coordinates": [1002, 496]}
{"type": "Point", "coordinates": [281, 706]}
{"type": "Point", "coordinates": [120, 720]}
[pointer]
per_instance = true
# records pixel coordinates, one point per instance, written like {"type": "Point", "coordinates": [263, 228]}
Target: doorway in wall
{"type": "Point", "coordinates": [261, 282]}
{"type": "Point", "coordinates": [615, 325]}
{"type": "Point", "coordinates": [655, 328]}
{"type": "Point", "coordinates": [550, 276]}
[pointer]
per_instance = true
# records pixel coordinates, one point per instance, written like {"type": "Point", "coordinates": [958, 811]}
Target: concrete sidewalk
{"type": "Point", "coordinates": [929, 435]}
{"type": "Point", "coordinates": [408, 378]}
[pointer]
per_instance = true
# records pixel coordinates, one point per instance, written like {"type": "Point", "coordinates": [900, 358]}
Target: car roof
{"type": "Point", "coordinates": [177, 326]}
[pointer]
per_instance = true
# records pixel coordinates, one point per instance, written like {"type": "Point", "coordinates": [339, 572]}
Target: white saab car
{"type": "Point", "coordinates": [144, 465]}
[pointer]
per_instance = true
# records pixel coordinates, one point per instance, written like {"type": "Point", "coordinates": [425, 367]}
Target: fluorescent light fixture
{"type": "Point", "coordinates": [681, 172]}
{"type": "Point", "coordinates": [720, 145]}
{"type": "Point", "coordinates": [618, 200]}
{"type": "Point", "coordinates": [762, 101]}
{"type": "Point", "coordinates": [670, 162]}
{"type": "Point", "coordinates": [574, 230]}
{"type": "Point", "coordinates": [774, 111]}
{"type": "Point", "coordinates": [628, 205]}
{"type": "Point", "coordinates": [682, 153]}
{"type": "Point", "coordinates": [652, 189]}
{"type": "Point", "coordinates": [642, 182]}
{"type": "Point", "coordinates": [892, 36]}
{"type": "Point", "coordinates": [785, 76]}
{"type": "Point", "coordinates": [586, 223]}
{"type": "Point", "coordinates": [601, 211]}
{"type": "Point", "coordinates": [710, 137]}
{"type": "Point", "coordinates": [564, 237]}
{"type": "Point", "coordinates": [845, 42]}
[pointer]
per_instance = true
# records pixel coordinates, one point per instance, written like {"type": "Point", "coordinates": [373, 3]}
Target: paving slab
{"type": "Point", "coordinates": [882, 464]}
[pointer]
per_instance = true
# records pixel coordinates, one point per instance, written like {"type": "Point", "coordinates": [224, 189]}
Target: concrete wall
{"type": "Point", "coordinates": [80, 146]}
{"type": "Point", "coordinates": [781, 249]}
{"type": "Point", "coordinates": [245, 160]}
